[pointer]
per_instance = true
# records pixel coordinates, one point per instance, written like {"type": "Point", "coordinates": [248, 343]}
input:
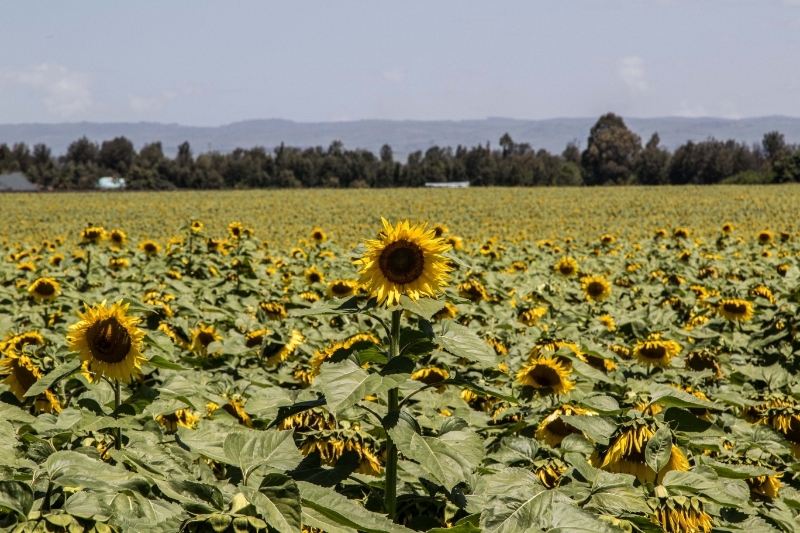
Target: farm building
{"type": "Point", "coordinates": [16, 182]}
{"type": "Point", "coordinates": [448, 184]}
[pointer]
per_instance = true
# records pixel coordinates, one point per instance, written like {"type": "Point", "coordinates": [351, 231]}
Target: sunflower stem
{"type": "Point", "coordinates": [390, 492]}
{"type": "Point", "coordinates": [117, 430]}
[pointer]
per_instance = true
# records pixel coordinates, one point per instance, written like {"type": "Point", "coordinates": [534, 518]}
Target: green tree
{"type": "Point", "coordinates": [117, 155]}
{"type": "Point", "coordinates": [652, 163]}
{"type": "Point", "coordinates": [610, 152]}
{"type": "Point", "coordinates": [788, 168]}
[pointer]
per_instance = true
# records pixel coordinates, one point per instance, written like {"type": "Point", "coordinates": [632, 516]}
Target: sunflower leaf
{"type": "Point", "coordinates": [16, 496]}
{"type": "Point", "coordinates": [278, 501]}
{"type": "Point", "coordinates": [250, 450]}
{"type": "Point", "coordinates": [424, 307]}
{"type": "Point", "coordinates": [54, 376]}
{"type": "Point", "coordinates": [670, 396]}
{"type": "Point", "coordinates": [463, 342]}
{"type": "Point", "coordinates": [658, 449]}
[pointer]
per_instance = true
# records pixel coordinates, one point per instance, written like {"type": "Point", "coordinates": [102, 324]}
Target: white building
{"type": "Point", "coordinates": [448, 184]}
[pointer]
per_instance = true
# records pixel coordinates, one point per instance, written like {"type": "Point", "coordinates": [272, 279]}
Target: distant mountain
{"type": "Point", "coordinates": [403, 136]}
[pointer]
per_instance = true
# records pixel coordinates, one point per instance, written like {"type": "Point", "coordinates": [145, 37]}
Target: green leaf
{"type": "Point", "coordinates": [339, 510]}
{"type": "Point", "coordinates": [278, 501]}
{"type": "Point", "coordinates": [334, 307]}
{"type": "Point", "coordinates": [160, 341]}
{"type": "Point", "coordinates": [463, 342]}
{"type": "Point", "coordinates": [424, 307]}
{"type": "Point", "coordinates": [16, 496]}
{"type": "Point", "coordinates": [250, 450]}
{"type": "Point", "coordinates": [345, 384]}
{"type": "Point", "coordinates": [72, 469]}
{"type": "Point", "coordinates": [54, 376]}
{"type": "Point", "coordinates": [658, 449]}
{"type": "Point", "coordinates": [314, 518]}
{"type": "Point", "coordinates": [449, 458]}
{"type": "Point", "coordinates": [479, 389]}
{"type": "Point", "coordinates": [670, 396]}
{"type": "Point", "coordinates": [468, 524]}
{"type": "Point", "coordinates": [615, 494]}
{"type": "Point", "coordinates": [605, 405]}
{"type": "Point", "coordinates": [161, 362]}
{"type": "Point", "coordinates": [197, 498]}
{"type": "Point", "coordinates": [89, 505]}
{"type": "Point", "coordinates": [597, 428]}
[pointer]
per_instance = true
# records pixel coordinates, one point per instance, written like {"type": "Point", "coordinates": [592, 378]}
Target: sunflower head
{"type": "Point", "coordinates": [254, 339]}
{"type": "Point", "coordinates": [405, 260]}
{"type": "Point", "coordinates": [181, 417]}
{"type": "Point", "coordinates": [472, 290]}
{"type": "Point", "coordinates": [735, 310]}
{"type": "Point", "coordinates": [440, 229]}
{"type": "Point", "coordinates": [552, 430]}
{"type": "Point", "coordinates": [46, 402]}
{"type": "Point", "coordinates": [342, 288]}
{"type": "Point", "coordinates": [457, 243]}
{"type": "Point", "coordinates": [278, 351]}
{"type": "Point", "coordinates": [595, 288]}
{"type": "Point", "coordinates": [680, 233]}
{"type": "Point", "coordinates": [547, 375]}
{"type": "Point", "coordinates": [44, 289]}
{"type": "Point", "coordinates": [236, 230]}
{"type": "Point", "coordinates": [607, 239]}
{"type": "Point", "coordinates": [762, 291]}
{"type": "Point", "coordinates": [117, 237]}
{"type": "Point", "coordinates": [764, 237]}
{"type": "Point", "coordinates": [202, 337]}
{"type": "Point", "coordinates": [608, 322]}
{"type": "Point", "coordinates": [661, 233]}
{"type": "Point", "coordinates": [448, 311]}
{"type": "Point", "coordinates": [56, 259]}
{"type": "Point", "coordinates": [680, 514]}
{"type": "Point", "coordinates": [530, 317]}
{"type": "Point", "coordinates": [566, 266]}
{"type": "Point", "coordinates": [118, 263]}
{"type": "Point", "coordinates": [318, 236]}
{"type": "Point", "coordinates": [196, 226]}
{"type": "Point", "coordinates": [109, 339]}
{"type": "Point", "coordinates": [150, 247]}
{"type": "Point", "coordinates": [656, 352]}
{"type": "Point", "coordinates": [727, 228]}
{"type": "Point", "coordinates": [93, 234]}
{"type": "Point", "coordinates": [704, 360]}
{"type": "Point", "coordinates": [273, 310]}
{"type": "Point", "coordinates": [430, 375]}
{"type": "Point", "coordinates": [20, 373]}
{"type": "Point", "coordinates": [314, 275]}
{"type": "Point", "coordinates": [626, 454]}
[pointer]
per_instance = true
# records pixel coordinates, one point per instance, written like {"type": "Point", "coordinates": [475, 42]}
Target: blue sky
{"type": "Point", "coordinates": [213, 62]}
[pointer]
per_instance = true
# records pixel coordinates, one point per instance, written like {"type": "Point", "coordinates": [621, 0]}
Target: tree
{"type": "Point", "coordinates": [652, 163]}
{"type": "Point", "coordinates": [117, 155]}
{"type": "Point", "coordinates": [610, 152]}
{"type": "Point", "coordinates": [774, 145]}
{"type": "Point", "coordinates": [572, 154]}
{"type": "Point", "coordinates": [82, 152]}
{"type": "Point", "coordinates": [788, 168]}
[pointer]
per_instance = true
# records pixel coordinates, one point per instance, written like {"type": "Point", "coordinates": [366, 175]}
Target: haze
{"type": "Point", "coordinates": [210, 63]}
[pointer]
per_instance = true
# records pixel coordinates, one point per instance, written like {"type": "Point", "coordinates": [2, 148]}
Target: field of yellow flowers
{"type": "Point", "coordinates": [482, 360]}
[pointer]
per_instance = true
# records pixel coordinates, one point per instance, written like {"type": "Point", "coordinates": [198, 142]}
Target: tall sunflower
{"type": "Point", "coordinates": [44, 289]}
{"type": "Point", "coordinates": [405, 260]}
{"type": "Point", "coordinates": [595, 288]}
{"type": "Point", "coordinates": [21, 373]}
{"type": "Point", "coordinates": [546, 374]}
{"type": "Point", "coordinates": [109, 340]}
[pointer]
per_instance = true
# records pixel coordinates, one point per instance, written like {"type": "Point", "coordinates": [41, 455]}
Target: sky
{"type": "Point", "coordinates": [209, 63]}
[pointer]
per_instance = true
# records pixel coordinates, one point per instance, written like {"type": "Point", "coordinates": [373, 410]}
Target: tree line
{"type": "Point", "coordinates": [614, 155]}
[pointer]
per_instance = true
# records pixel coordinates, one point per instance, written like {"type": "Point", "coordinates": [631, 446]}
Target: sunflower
{"type": "Point", "coordinates": [273, 310]}
{"type": "Point", "coordinates": [279, 351]}
{"type": "Point", "coordinates": [21, 373]}
{"type": "Point", "coordinates": [56, 259]}
{"type": "Point", "coordinates": [118, 263]}
{"type": "Point", "coordinates": [149, 247]}
{"type": "Point", "coordinates": [608, 322]}
{"type": "Point", "coordinates": [235, 408]}
{"type": "Point", "coordinates": [682, 514]}
{"type": "Point", "coordinates": [117, 237]}
{"type": "Point", "coordinates": [430, 375]}
{"type": "Point", "coordinates": [656, 352]}
{"type": "Point", "coordinates": [46, 402]}
{"type": "Point", "coordinates": [332, 444]}
{"type": "Point", "coordinates": [309, 296]}
{"type": "Point", "coordinates": [607, 239]}
{"type": "Point", "coordinates": [764, 237]}
{"type": "Point", "coordinates": [566, 266]}
{"type": "Point", "coordinates": [342, 288]}
{"type": "Point", "coordinates": [18, 342]}
{"type": "Point", "coordinates": [44, 289]}
{"type": "Point", "coordinates": [93, 234]}
{"type": "Point", "coordinates": [498, 347]}
{"type": "Point", "coordinates": [783, 269]}
{"type": "Point", "coordinates": [27, 266]}
{"type": "Point", "coordinates": [448, 311]}
{"type": "Point", "coordinates": [704, 360]}
{"type": "Point", "coordinates": [680, 233]}
{"type": "Point", "coordinates": [181, 417]}
{"type": "Point", "coordinates": [472, 290]}
{"type": "Point", "coordinates": [457, 243]}
{"type": "Point", "coordinates": [762, 291]}
{"type": "Point", "coordinates": [109, 340]}
{"type": "Point", "coordinates": [314, 275]}
{"type": "Point", "coordinates": [727, 228]}
{"type": "Point", "coordinates": [626, 455]}
{"type": "Point", "coordinates": [530, 317]}
{"type": "Point", "coordinates": [661, 233]}
{"type": "Point", "coordinates": [235, 229]}
{"type": "Point", "coordinates": [313, 419]}
{"type": "Point", "coordinates": [735, 310]}
{"type": "Point", "coordinates": [255, 338]}
{"type": "Point", "coordinates": [595, 288]}
{"type": "Point", "coordinates": [406, 260]}
{"type": "Point", "coordinates": [549, 471]}
{"type": "Point", "coordinates": [196, 226]}
{"type": "Point", "coordinates": [318, 236]}
{"type": "Point", "coordinates": [202, 337]}
{"type": "Point", "coordinates": [765, 485]}
{"type": "Point", "coordinates": [552, 430]}
{"type": "Point", "coordinates": [546, 374]}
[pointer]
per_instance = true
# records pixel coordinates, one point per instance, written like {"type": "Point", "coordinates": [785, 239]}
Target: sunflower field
{"type": "Point", "coordinates": [492, 360]}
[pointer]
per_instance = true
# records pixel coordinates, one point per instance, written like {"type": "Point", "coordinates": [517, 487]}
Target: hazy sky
{"type": "Point", "coordinates": [209, 63]}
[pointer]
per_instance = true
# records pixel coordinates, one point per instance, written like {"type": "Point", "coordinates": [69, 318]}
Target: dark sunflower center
{"type": "Point", "coordinates": [236, 231]}
{"type": "Point", "coordinates": [735, 308]}
{"type": "Point", "coordinates": [116, 237]}
{"type": "Point", "coordinates": [402, 262]}
{"type": "Point", "coordinates": [205, 338]}
{"type": "Point", "coordinates": [56, 260]}
{"type": "Point", "coordinates": [25, 377]}
{"type": "Point", "coordinates": [566, 269]}
{"type": "Point", "coordinates": [317, 236]}
{"type": "Point", "coordinates": [109, 340]}
{"type": "Point", "coordinates": [149, 248]}
{"type": "Point", "coordinates": [313, 278]}
{"type": "Point", "coordinates": [653, 352]}
{"type": "Point", "coordinates": [596, 288]}
{"type": "Point", "coordinates": [340, 288]}
{"type": "Point", "coordinates": [45, 288]}
{"type": "Point", "coordinates": [252, 342]}
{"type": "Point", "coordinates": [560, 428]}
{"type": "Point", "coordinates": [544, 376]}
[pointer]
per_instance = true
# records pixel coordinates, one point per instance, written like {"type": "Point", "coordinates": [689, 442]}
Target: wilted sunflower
{"type": "Point", "coordinates": [44, 289]}
{"type": "Point", "coordinates": [332, 444]}
{"type": "Point", "coordinates": [595, 288]}
{"type": "Point", "coordinates": [181, 417]}
{"type": "Point", "coordinates": [626, 454]}
{"type": "Point", "coordinates": [273, 310]}
{"type": "Point", "coordinates": [406, 260]}
{"type": "Point", "coordinates": [530, 317]}
{"type": "Point", "coordinates": [309, 296]}
{"type": "Point", "coordinates": [314, 275]}
{"type": "Point", "coordinates": [235, 408]}
{"type": "Point", "coordinates": [93, 234]}
{"type": "Point", "coordinates": [203, 336]}
{"type": "Point", "coordinates": [21, 373]}
{"type": "Point", "coordinates": [704, 360]}
{"type": "Point", "coordinates": [607, 239]}
{"type": "Point", "coordinates": [735, 310]}
{"type": "Point", "coordinates": [552, 430]}
{"type": "Point", "coordinates": [762, 291]}
{"type": "Point", "coordinates": [546, 374]}
{"type": "Point", "coordinates": [549, 471]}
{"type": "Point", "coordinates": [109, 340]}
{"type": "Point", "coordinates": [448, 311]}
{"type": "Point", "coordinates": [255, 338]}
{"type": "Point", "coordinates": [682, 514]}
{"type": "Point", "coordinates": [149, 247]}
{"type": "Point", "coordinates": [431, 375]}
{"type": "Point", "coordinates": [278, 351]}
{"type": "Point", "coordinates": [656, 352]}
{"type": "Point", "coordinates": [46, 402]}
{"type": "Point", "coordinates": [117, 237]}
{"type": "Point", "coordinates": [765, 485]}
{"type": "Point", "coordinates": [342, 288]}
{"type": "Point", "coordinates": [314, 419]}
{"type": "Point", "coordinates": [318, 236]}
{"type": "Point", "coordinates": [566, 266]}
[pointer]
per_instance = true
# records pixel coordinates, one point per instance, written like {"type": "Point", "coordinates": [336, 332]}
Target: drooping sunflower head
{"type": "Point", "coordinates": [566, 266]}
{"type": "Point", "coordinates": [595, 288]}
{"type": "Point", "coordinates": [254, 339]}
{"type": "Point", "coordinates": [547, 375]}
{"type": "Point", "coordinates": [273, 310]}
{"type": "Point", "coordinates": [20, 341]}
{"type": "Point", "coordinates": [44, 289]}
{"type": "Point", "coordinates": [656, 352]}
{"type": "Point", "coordinates": [27, 266]}
{"type": "Point", "coordinates": [109, 339]}
{"type": "Point", "coordinates": [236, 229]}
{"type": "Point", "coordinates": [448, 311]}
{"type": "Point", "coordinates": [457, 243]}
{"type": "Point", "coordinates": [661, 233]}
{"type": "Point", "coordinates": [764, 237]}
{"type": "Point", "coordinates": [762, 291]}
{"type": "Point", "coordinates": [46, 402]}
{"type": "Point", "coordinates": [342, 288]}
{"type": "Point", "coordinates": [681, 514]}
{"type": "Point", "coordinates": [430, 375]}
{"type": "Point", "coordinates": [735, 310]}
{"type": "Point", "coordinates": [117, 237]}
{"type": "Point", "coordinates": [318, 236]}
{"type": "Point", "coordinates": [530, 317]}
{"type": "Point", "coordinates": [405, 260]}
{"type": "Point", "coordinates": [626, 454]}
{"type": "Point", "coordinates": [277, 351]}
{"type": "Point", "coordinates": [20, 373]}
{"type": "Point", "coordinates": [704, 360]}
{"type": "Point", "coordinates": [440, 229]}
{"type": "Point", "coordinates": [314, 275]}
{"type": "Point", "coordinates": [93, 234]}
{"type": "Point", "coordinates": [150, 247]}
{"type": "Point", "coordinates": [552, 430]}
{"type": "Point", "coordinates": [181, 417]}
